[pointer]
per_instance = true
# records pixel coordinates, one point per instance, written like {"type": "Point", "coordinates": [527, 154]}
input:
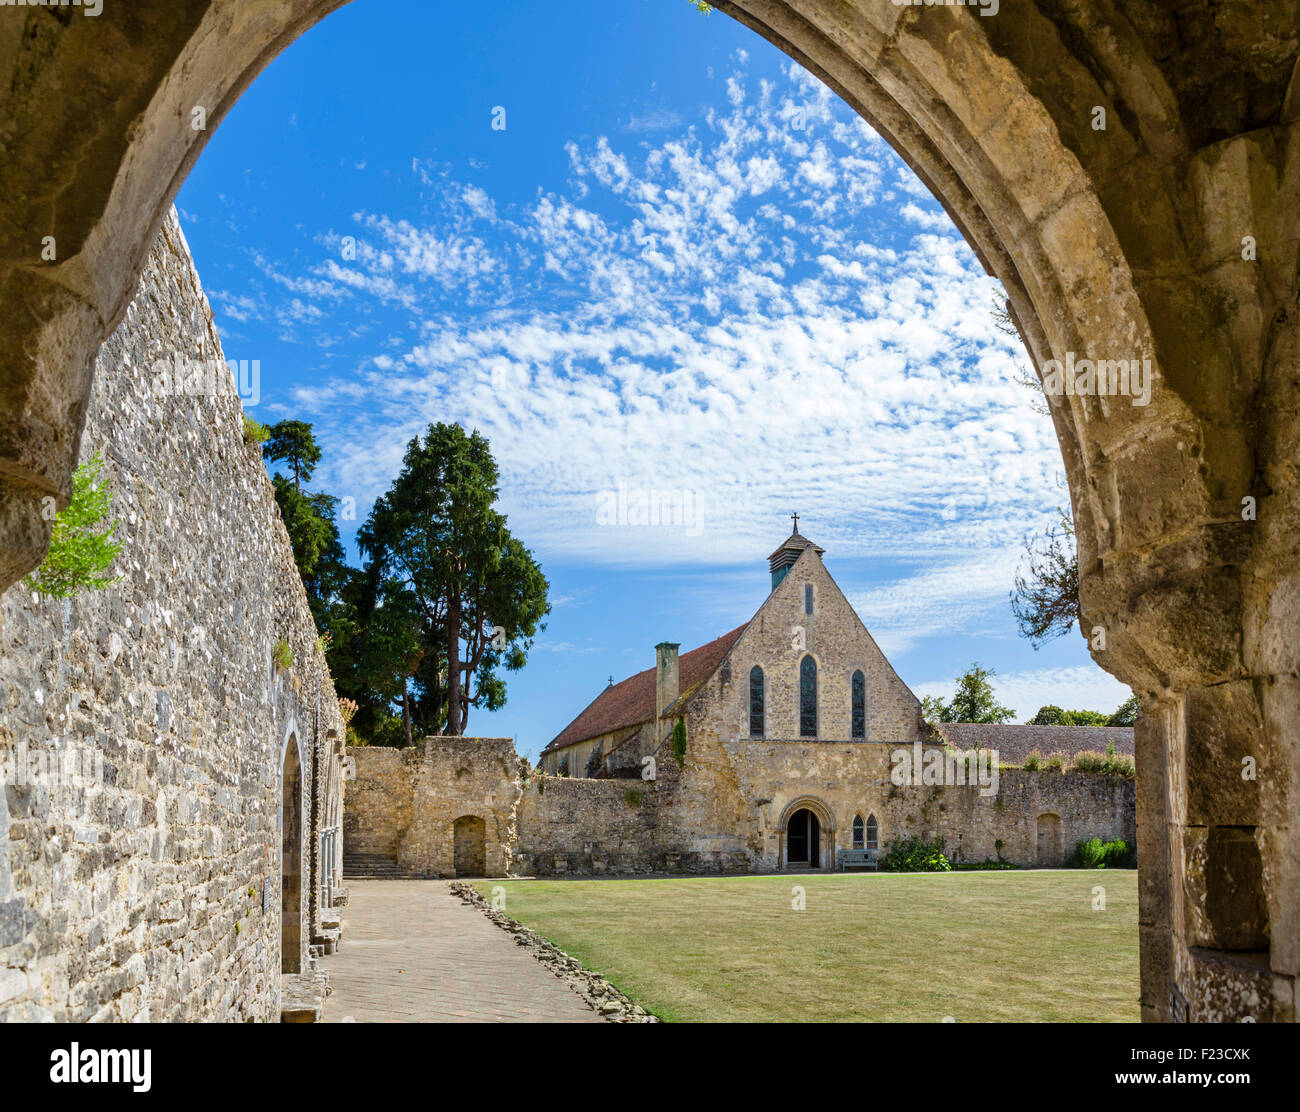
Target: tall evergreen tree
{"type": "Point", "coordinates": [480, 594]}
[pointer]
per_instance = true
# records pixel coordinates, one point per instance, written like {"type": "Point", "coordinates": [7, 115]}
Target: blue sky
{"type": "Point", "coordinates": [682, 270]}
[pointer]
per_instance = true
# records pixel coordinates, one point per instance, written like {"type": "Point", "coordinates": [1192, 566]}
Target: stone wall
{"type": "Point", "coordinates": [146, 884]}
{"type": "Point", "coordinates": [404, 805]}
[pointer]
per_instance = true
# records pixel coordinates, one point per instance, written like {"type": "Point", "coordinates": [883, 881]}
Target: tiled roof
{"type": "Point", "coordinates": [632, 702]}
{"type": "Point", "coordinates": [1014, 743]}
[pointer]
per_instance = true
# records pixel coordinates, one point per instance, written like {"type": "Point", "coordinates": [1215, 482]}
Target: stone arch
{"type": "Point", "coordinates": [291, 856]}
{"type": "Point", "coordinates": [469, 846]}
{"type": "Point", "coordinates": [1123, 241]}
{"type": "Point", "coordinates": [1049, 840]}
{"type": "Point", "coordinates": [826, 828]}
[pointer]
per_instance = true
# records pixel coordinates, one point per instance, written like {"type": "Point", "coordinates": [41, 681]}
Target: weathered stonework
{"type": "Point", "coordinates": [729, 806]}
{"type": "Point", "coordinates": [445, 807]}
{"type": "Point", "coordinates": [153, 890]}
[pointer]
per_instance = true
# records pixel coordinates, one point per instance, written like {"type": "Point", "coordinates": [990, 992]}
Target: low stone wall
{"type": "Point", "coordinates": [569, 826]}
{"type": "Point", "coordinates": [1006, 826]}
{"type": "Point", "coordinates": [445, 807]}
{"type": "Point", "coordinates": [144, 727]}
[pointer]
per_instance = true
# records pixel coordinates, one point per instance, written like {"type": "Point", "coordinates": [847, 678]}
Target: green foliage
{"type": "Point", "coordinates": [1056, 762]}
{"type": "Point", "coordinates": [984, 866]}
{"type": "Point", "coordinates": [679, 742]}
{"type": "Point", "coordinates": [1093, 853]}
{"type": "Point", "coordinates": [913, 854]}
{"type": "Point", "coordinates": [282, 654]}
{"type": "Point", "coordinates": [701, 6]}
{"type": "Point", "coordinates": [254, 432]}
{"type": "Point", "coordinates": [472, 594]}
{"type": "Point", "coordinates": [633, 797]}
{"type": "Point", "coordinates": [1110, 763]}
{"type": "Point", "coordinates": [1046, 598]}
{"type": "Point", "coordinates": [973, 701]}
{"type": "Point", "coordinates": [1052, 715]}
{"type": "Point", "coordinates": [1033, 761]}
{"type": "Point", "coordinates": [82, 540]}
{"type": "Point", "coordinates": [1127, 713]}
{"type": "Point", "coordinates": [292, 442]}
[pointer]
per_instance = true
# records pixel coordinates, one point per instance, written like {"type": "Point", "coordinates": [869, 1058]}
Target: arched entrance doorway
{"type": "Point", "coordinates": [803, 840]}
{"type": "Point", "coordinates": [1049, 840]}
{"type": "Point", "coordinates": [291, 860]}
{"type": "Point", "coordinates": [469, 837]}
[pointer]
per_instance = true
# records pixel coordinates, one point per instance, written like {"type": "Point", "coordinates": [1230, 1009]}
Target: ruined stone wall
{"type": "Point", "coordinates": [404, 803]}
{"type": "Point", "coordinates": [148, 886]}
{"type": "Point", "coordinates": [588, 826]}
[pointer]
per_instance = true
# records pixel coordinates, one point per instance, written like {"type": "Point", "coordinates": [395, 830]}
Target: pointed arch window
{"type": "Point", "coordinates": [757, 702]}
{"type": "Point", "coordinates": [859, 723]}
{"type": "Point", "coordinates": [808, 697]}
{"type": "Point", "coordinates": [872, 833]}
{"type": "Point", "coordinates": [858, 831]}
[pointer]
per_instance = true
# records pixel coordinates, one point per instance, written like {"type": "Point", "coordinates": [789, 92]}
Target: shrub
{"type": "Point", "coordinates": [1117, 765]}
{"type": "Point", "coordinates": [1093, 853]}
{"type": "Point", "coordinates": [912, 854]}
{"type": "Point", "coordinates": [254, 432]}
{"type": "Point", "coordinates": [1056, 762]}
{"type": "Point", "coordinates": [1033, 761]}
{"type": "Point", "coordinates": [82, 542]}
{"type": "Point", "coordinates": [282, 654]}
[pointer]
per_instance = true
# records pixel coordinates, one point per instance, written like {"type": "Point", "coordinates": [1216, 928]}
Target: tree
{"type": "Point", "coordinates": [1046, 599]}
{"type": "Point", "coordinates": [1127, 712]}
{"type": "Point", "coordinates": [1052, 715]}
{"type": "Point", "coordinates": [83, 542]}
{"type": "Point", "coordinates": [973, 701]}
{"type": "Point", "coordinates": [479, 593]}
{"type": "Point", "coordinates": [293, 443]}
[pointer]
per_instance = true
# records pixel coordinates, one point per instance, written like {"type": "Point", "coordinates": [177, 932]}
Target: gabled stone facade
{"type": "Point", "coordinates": [731, 804]}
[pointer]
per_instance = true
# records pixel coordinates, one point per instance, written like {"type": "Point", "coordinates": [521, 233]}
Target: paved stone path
{"type": "Point", "coordinates": [412, 952]}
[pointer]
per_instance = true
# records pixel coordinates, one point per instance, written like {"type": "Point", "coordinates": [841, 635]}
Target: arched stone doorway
{"type": "Point", "coordinates": [807, 834]}
{"type": "Point", "coordinates": [469, 838]}
{"type": "Point", "coordinates": [291, 860]}
{"type": "Point", "coordinates": [1124, 240]}
{"type": "Point", "coordinates": [1049, 840]}
{"type": "Point", "coordinates": [803, 840]}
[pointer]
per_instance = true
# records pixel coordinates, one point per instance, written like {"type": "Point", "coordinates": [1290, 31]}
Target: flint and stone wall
{"type": "Point", "coordinates": [150, 889]}
{"type": "Point", "coordinates": [404, 805]}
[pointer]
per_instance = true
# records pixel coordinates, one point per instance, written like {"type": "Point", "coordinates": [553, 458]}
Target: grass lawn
{"type": "Point", "coordinates": [884, 947]}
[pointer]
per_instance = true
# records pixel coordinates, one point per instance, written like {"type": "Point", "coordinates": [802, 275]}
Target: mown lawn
{"type": "Point", "coordinates": [883, 947]}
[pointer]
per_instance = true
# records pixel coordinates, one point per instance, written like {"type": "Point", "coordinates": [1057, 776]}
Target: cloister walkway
{"type": "Point", "coordinates": [412, 952]}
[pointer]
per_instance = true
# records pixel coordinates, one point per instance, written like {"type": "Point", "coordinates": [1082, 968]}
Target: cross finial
{"type": "Point", "coordinates": [796, 522]}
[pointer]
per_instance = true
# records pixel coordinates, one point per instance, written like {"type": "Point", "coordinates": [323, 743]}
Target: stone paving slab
{"type": "Point", "coordinates": [413, 953]}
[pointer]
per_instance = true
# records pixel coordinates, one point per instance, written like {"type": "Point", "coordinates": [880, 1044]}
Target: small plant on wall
{"type": "Point", "coordinates": [679, 742]}
{"type": "Point", "coordinates": [282, 654]}
{"type": "Point", "coordinates": [83, 541]}
{"type": "Point", "coordinates": [255, 433]}
{"type": "Point", "coordinates": [633, 797]}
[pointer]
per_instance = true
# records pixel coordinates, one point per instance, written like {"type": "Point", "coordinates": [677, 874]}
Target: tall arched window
{"type": "Point", "coordinates": [808, 697]}
{"type": "Point", "coordinates": [859, 723]}
{"type": "Point", "coordinates": [873, 833]}
{"type": "Point", "coordinates": [756, 705]}
{"type": "Point", "coordinates": [857, 832]}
